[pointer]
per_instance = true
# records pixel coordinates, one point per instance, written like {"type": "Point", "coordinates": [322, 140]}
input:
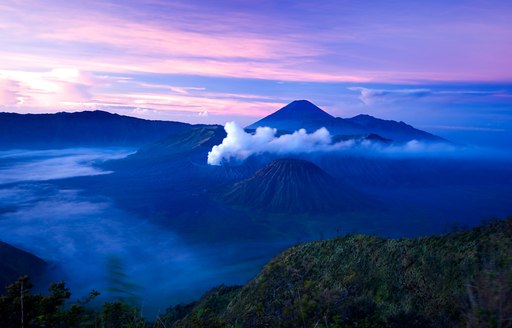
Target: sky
{"type": "Point", "coordinates": [442, 66]}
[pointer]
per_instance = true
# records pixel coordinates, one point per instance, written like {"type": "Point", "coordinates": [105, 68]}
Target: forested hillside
{"type": "Point", "coordinates": [460, 279]}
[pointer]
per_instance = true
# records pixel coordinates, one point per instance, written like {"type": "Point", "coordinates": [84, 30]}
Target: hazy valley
{"type": "Point", "coordinates": [199, 205]}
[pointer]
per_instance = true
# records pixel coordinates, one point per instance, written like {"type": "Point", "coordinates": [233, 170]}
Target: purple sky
{"type": "Point", "coordinates": [440, 65]}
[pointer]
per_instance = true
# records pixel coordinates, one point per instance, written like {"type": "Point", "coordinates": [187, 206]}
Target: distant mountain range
{"type": "Point", "coordinates": [102, 129]}
{"type": "Point", "coordinates": [81, 129]}
{"type": "Point", "coordinates": [303, 114]}
{"type": "Point", "coordinates": [268, 200]}
{"type": "Point", "coordinates": [168, 181]}
{"type": "Point", "coordinates": [306, 183]}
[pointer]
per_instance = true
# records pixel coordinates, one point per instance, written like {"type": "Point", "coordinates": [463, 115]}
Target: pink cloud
{"type": "Point", "coordinates": [45, 89]}
{"type": "Point", "coordinates": [109, 43]}
{"type": "Point", "coordinates": [272, 70]}
{"type": "Point", "coordinates": [255, 40]}
{"type": "Point", "coordinates": [166, 41]}
{"type": "Point", "coordinates": [357, 46]}
{"type": "Point", "coordinates": [72, 90]}
{"type": "Point", "coordinates": [9, 92]}
{"type": "Point", "coordinates": [214, 104]}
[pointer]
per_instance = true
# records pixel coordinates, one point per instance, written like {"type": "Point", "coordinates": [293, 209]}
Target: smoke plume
{"type": "Point", "coordinates": [239, 145]}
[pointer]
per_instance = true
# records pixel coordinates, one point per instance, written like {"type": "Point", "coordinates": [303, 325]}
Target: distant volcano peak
{"type": "Point", "coordinates": [302, 114]}
{"type": "Point", "coordinates": [297, 113]}
{"type": "Point", "coordinates": [304, 107]}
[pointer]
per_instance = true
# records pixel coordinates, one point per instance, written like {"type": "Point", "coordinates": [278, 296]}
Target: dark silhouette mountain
{"type": "Point", "coordinates": [453, 280]}
{"type": "Point", "coordinates": [15, 263]}
{"type": "Point", "coordinates": [399, 131]}
{"type": "Point", "coordinates": [180, 155]}
{"type": "Point", "coordinates": [293, 186]}
{"type": "Point", "coordinates": [303, 114]}
{"type": "Point", "coordinates": [89, 128]}
{"type": "Point", "coordinates": [199, 139]}
{"type": "Point", "coordinates": [296, 115]}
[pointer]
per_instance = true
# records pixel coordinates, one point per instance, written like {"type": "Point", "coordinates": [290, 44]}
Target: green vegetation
{"type": "Point", "coordinates": [208, 312]}
{"type": "Point", "coordinates": [20, 308]}
{"type": "Point", "coordinates": [459, 279]}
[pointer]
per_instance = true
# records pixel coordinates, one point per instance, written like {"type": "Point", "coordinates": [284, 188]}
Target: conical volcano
{"type": "Point", "coordinates": [296, 115]}
{"type": "Point", "coordinates": [293, 186]}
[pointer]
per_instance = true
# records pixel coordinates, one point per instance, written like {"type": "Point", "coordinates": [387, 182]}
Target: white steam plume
{"type": "Point", "coordinates": [239, 145]}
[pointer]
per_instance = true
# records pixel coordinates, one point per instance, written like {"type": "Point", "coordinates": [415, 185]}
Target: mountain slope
{"type": "Point", "coordinates": [197, 139]}
{"type": "Point", "coordinates": [303, 114]}
{"type": "Point", "coordinates": [293, 186]}
{"type": "Point", "coordinates": [297, 114]}
{"type": "Point", "coordinates": [183, 156]}
{"type": "Point", "coordinates": [453, 280]}
{"type": "Point", "coordinates": [15, 263]}
{"type": "Point", "coordinates": [392, 129]}
{"type": "Point", "coordinates": [89, 128]}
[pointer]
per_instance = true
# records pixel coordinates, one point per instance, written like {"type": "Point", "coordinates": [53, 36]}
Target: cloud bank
{"type": "Point", "coordinates": [240, 145]}
{"type": "Point", "coordinates": [79, 233]}
{"type": "Point", "coordinates": [55, 164]}
{"type": "Point", "coordinates": [46, 89]}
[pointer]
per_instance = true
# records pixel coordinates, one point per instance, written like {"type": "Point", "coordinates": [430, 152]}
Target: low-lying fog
{"type": "Point", "coordinates": [40, 165]}
{"type": "Point", "coordinates": [83, 236]}
{"type": "Point", "coordinates": [94, 243]}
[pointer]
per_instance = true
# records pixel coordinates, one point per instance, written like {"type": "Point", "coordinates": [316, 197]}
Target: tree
{"type": "Point", "coordinates": [19, 308]}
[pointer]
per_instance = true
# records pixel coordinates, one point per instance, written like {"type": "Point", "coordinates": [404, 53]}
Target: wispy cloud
{"type": "Point", "coordinates": [71, 90]}
{"type": "Point", "coordinates": [257, 41]}
{"type": "Point", "coordinates": [307, 48]}
{"type": "Point", "coordinates": [9, 92]}
{"type": "Point", "coordinates": [370, 96]}
{"type": "Point", "coordinates": [45, 89]}
{"type": "Point", "coordinates": [54, 164]}
{"type": "Point", "coordinates": [198, 103]}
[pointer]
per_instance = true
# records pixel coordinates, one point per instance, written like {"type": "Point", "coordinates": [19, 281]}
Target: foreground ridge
{"type": "Point", "coordinates": [458, 279]}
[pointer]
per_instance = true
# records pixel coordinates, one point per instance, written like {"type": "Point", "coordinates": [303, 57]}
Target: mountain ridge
{"type": "Point", "coordinates": [86, 128]}
{"type": "Point", "coordinates": [101, 128]}
{"type": "Point", "coordinates": [451, 280]}
{"type": "Point", "coordinates": [302, 114]}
